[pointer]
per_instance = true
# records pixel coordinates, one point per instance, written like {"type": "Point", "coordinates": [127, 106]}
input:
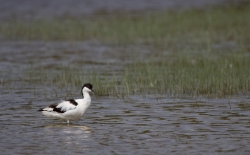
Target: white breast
{"type": "Point", "coordinates": [77, 113]}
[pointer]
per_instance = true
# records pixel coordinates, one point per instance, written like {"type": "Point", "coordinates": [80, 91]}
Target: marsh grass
{"type": "Point", "coordinates": [192, 67]}
{"type": "Point", "coordinates": [161, 29]}
{"type": "Point", "coordinates": [69, 77]}
{"type": "Point", "coordinates": [192, 76]}
{"type": "Point", "coordinates": [179, 76]}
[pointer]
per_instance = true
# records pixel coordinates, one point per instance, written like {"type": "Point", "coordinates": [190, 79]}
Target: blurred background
{"type": "Point", "coordinates": [34, 9]}
{"type": "Point", "coordinates": [170, 76]}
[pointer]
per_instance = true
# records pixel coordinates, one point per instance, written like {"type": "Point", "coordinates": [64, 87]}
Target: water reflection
{"type": "Point", "coordinates": [70, 132]}
{"type": "Point", "coordinates": [69, 136]}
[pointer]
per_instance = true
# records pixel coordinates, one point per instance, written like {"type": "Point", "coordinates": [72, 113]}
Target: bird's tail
{"type": "Point", "coordinates": [41, 109]}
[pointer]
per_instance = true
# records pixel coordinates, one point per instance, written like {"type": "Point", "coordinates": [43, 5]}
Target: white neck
{"type": "Point", "coordinates": [86, 96]}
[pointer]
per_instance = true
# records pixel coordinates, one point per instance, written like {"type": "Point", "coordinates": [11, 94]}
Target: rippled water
{"type": "Point", "coordinates": [149, 124]}
{"type": "Point", "coordinates": [139, 125]}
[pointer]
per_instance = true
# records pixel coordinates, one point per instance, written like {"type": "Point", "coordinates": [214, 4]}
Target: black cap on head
{"type": "Point", "coordinates": [88, 85]}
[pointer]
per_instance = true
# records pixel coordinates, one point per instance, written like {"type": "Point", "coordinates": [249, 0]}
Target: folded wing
{"type": "Point", "coordinates": [61, 107]}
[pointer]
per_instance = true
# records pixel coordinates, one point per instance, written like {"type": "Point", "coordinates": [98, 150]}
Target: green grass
{"type": "Point", "coordinates": [178, 76]}
{"type": "Point", "coordinates": [188, 62]}
{"type": "Point", "coordinates": [193, 76]}
{"type": "Point", "coordinates": [71, 77]}
{"type": "Point", "coordinates": [161, 29]}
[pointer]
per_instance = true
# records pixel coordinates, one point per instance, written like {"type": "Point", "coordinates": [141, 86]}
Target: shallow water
{"type": "Point", "coordinates": [139, 125]}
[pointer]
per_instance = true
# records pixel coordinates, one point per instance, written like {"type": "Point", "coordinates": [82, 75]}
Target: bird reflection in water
{"type": "Point", "coordinates": [72, 134]}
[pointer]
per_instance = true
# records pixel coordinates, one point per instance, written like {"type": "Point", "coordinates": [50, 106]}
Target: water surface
{"type": "Point", "coordinates": [147, 124]}
{"type": "Point", "coordinates": [140, 125]}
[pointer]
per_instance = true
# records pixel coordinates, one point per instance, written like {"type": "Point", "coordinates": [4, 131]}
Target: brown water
{"type": "Point", "coordinates": [149, 124]}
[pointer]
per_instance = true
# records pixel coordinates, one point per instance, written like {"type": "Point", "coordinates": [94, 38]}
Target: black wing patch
{"type": "Point", "coordinates": [59, 110]}
{"type": "Point", "coordinates": [72, 101]}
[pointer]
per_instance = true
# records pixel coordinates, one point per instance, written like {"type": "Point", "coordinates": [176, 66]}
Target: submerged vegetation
{"type": "Point", "coordinates": [179, 76]}
{"type": "Point", "coordinates": [200, 52]}
{"type": "Point", "coordinates": [192, 76]}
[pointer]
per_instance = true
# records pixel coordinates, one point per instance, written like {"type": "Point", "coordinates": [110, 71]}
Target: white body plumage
{"type": "Point", "coordinates": [70, 109]}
